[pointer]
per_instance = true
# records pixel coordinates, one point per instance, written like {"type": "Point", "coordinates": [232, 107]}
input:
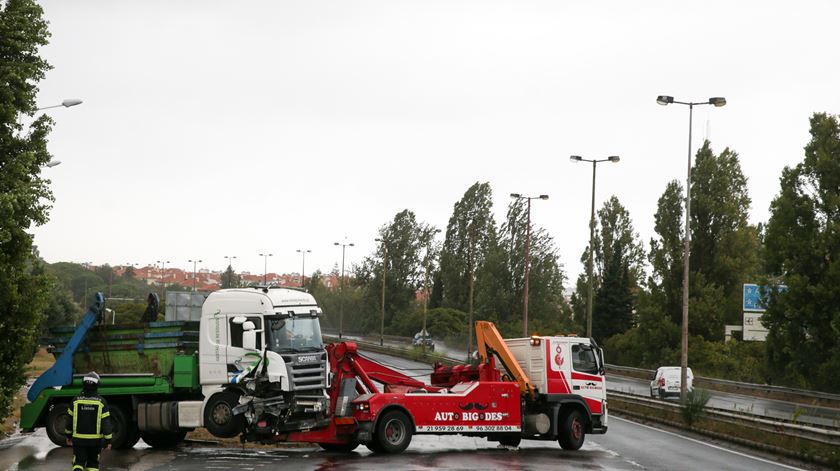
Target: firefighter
{"type": "Point", "coordinates": [90, 429]}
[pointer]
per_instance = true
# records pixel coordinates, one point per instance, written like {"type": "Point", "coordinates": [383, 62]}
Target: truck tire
{"type": "Point", "coordinates": [163, 440]}
{"type": "Point", "coordinates": [218, 415]}
{"type": "Point", "coordinates": [393, 432]}
{"type": "Point", "coordinates": [510, 440]}
{"type": "Point", "coordinates": [374, 447]}
{"type": "Point", "coordinates": [124, 434]}
{"type": "Point", "coordinates": [57, 420]}
{"type": "Point", "coordinates": [339, 447]}
{"type": "Point", "coordinates": [572, 430]}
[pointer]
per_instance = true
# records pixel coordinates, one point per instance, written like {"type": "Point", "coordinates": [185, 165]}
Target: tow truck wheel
{"type": "Point", "coordinates": [374, 447]}
{"type": "Point", "coordinates": [57, 420]}
{"type": "Point", "coordinates": [510, 440]}
{"type": "Point", "coordinates": [393, 432]}
{"type": "Point", "coordinates": [339, 447]}
{"type": "Point", "coordinates": [163, 440]}
{"type": "Point", "coordinates": [572, 430]}
{"type": "Point", "coordinates": [218, 415]}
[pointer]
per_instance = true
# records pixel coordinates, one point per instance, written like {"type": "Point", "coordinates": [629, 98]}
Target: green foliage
{"type": "Point", "coordinates": [693, 405]}
{"type": "Point", "coordinates": [230, 279]}
{"type": "Point", "coordinates": [469, 234]}
{"type": "Point", "coordinates": [803, 251]}
{"type": "Point", "coordinates": [449, 325]}
{"type": "Point", "coordinates": [61, 309]}
{"type": "Point", "coordinates": [25, 196]}
{"type": "Point", "coordinates": [666, 253]}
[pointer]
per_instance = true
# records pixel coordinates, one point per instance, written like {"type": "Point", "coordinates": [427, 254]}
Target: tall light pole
{"type": "Point", "coordinates": [303, 253]}
{"type": "Point", "coordinates": [265, 267]}
{"type": "Point", "coordinates": [163, 272]}
{"type": "Point", "coordinates": [229, 259]}
{"type": "Point", "coordinates": [341, 290]}
{"type": "Point", "coordinates": [589, 289]}
{"type": "Point", "coordinates": [194, 262]}
{"type": "Point", "coordinates": [667, 100]}
{"type": "Point", "coordinates": [518, 196]}
{"type": "Point", "coordinates": [384, 271]}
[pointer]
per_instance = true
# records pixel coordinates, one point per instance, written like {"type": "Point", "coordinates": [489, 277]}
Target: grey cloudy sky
{"type": "Point", "coordinates": [234, 128]}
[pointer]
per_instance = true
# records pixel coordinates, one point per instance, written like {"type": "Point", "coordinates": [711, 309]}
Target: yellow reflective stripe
{"type": "Point", "coordinates": [99, 421]}
{"type": "Point", "coordinates": [107, 437]}
{"type": "Point", "coordinates": [86, 435]}
{"type": "Point", "coordinates": [69, 411]}
{"type": "Point", "coordinates": [107, 414]}
{"type": "Point", "coordinates": [75, 467]}
{"type": "Point", "coordinates": [92, 469]}
{"type": "Point", "coordinates": [74, 414]}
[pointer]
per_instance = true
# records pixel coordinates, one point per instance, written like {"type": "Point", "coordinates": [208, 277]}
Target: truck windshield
{"type": "Point", "coordinates": [583, 359]}
{"type": "Point", "coordinates": [295, 334]}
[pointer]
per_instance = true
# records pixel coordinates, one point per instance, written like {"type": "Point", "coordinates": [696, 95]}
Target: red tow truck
{"type": "Point", "coordinates": [537, 388]}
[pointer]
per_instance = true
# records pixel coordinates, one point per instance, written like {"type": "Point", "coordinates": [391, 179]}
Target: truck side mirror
{"type": "Point", "coordinates": [239, 320]}
{"type": "Point", "coordinates": [249, 336]}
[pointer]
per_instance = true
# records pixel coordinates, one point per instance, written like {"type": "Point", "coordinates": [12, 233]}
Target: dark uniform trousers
{"type": "Point", "coordinates": [90, 430]}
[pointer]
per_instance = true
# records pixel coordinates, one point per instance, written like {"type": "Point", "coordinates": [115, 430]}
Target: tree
{"type": "Point", "coordinates": [24, 195]}
{"type": "Point", "coordinates": [724, 246]}
{"type": "Point", "coordinates": [402, 240]}
{"type": "Point", "coordinates": [229, 278]}
{"type": "Point", "coordinates": [617, 272]}
{"type": "Point", "coordinates": [666, 253]}
{"type": "Point", "coordinates": [803, 251]}
{"type": "Point", "coordinates": [469, 233]}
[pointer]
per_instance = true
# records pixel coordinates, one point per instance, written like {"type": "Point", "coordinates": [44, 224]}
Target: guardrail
{"type": "Point", "coordinates": [760, 390]}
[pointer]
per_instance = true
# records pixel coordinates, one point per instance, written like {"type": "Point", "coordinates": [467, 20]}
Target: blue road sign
{"type": "Point", "coordinates": [753, 295]}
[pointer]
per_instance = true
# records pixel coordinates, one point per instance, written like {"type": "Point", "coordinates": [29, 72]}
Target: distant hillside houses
{"type": "Point", "coordinates": [207, 280]}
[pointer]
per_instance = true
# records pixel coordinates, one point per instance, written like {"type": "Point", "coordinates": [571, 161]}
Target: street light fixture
{"type": "Point", "coordinates": [341, 290]}
{"type": "Point", "coordinates": [194, 262]}
{"type": "Point", "coordinates": [518, 196]}
{"type": "Point", "coordinates": [384, 271]}
{"type": "Point", "coordinates": [163, 271]}
{"type": "Point", "coordinates": [265, 267]}
{"type": "Point", "coordinates": [717, 102]}
{"type": "Point", "coordinates": [52, 163]}
{"type": "Point", "coordinates": [66, 103]}
{"type": "Point", "coordinates": [575, 159]}
{"type": "Point", "coordinates": [303, 253]}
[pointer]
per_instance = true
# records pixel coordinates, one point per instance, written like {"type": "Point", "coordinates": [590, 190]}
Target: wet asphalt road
{"type": "Point", "coordinates": [627, 446]}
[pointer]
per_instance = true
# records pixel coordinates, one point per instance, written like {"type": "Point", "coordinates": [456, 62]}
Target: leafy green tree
{"type": "Point", "coordinates": [401, 253]}
{"type": "Point", "coordinates": [229, 278]}
{"type": "Point", "coordinates": [666, 253]}
{"type": "Point", "coordinates": [617, 272]}
{"type": "Point", "coordinates": [803, 251]}
{"type": "Point", "coordinates": [724, 246]}
{"type": "Point", "coordinates": [24, 194]}
{"type": "Point", "coordinates": [469, 233]}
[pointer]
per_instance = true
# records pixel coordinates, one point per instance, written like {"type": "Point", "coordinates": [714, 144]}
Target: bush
{"type": "Point", "coordinates": [693, 405]}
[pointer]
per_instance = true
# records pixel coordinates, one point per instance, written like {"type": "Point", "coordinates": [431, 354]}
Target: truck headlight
{"type": "Point", "coordinates": [364, 406]}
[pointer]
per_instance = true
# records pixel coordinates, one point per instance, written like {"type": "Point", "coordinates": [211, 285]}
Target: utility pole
{"type": "Point", "coordinates": [194, 262]}
{"type": "Point", "coordinates": [518, 196]}
{"type": "Point", "coordinates": [265, 267]}
{"type": "Point", "coordinates": [341, 290]}
{"type": "Point", "coordinates": [384, 271]}
{"type": "Point", "coordinates": [303, 253]}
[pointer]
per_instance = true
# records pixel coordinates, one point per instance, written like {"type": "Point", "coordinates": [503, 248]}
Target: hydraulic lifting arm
{"type": "Point", "coordinates": [488, 338]}
{"type": "Point", "coordinates": [61, 373]}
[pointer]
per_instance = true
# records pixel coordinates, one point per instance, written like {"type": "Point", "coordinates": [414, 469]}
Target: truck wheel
{"type": "Point", "coordinates": [510, 440]}
{"type": "Point", "coordinates": [57, 420]}
{"type": "Point", "coordinates": [572, 430]}
{"type": "Point", "coordinates": [163, 440]}
{"type": "Point", "coordinates": [124, 431]}
{"type": "Point", "coordinates": [374, 447]}
{"type": "Point", "coordinates": [339, 447]}
{"type": "Point", "coordinates": [218, 415]}
{"type": "Point", "coordinates": [393, 432]}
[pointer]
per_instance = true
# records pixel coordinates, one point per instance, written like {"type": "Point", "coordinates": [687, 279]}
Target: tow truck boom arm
{"type": "Point", "coordinates": [489, 338]}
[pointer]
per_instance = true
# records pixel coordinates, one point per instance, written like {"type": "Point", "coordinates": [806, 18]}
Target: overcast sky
{"type": "Point", "coordinates": [234, 128]}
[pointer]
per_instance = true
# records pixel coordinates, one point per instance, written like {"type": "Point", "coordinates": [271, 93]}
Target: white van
{"type": "Point", "coordinates": [666, 381]}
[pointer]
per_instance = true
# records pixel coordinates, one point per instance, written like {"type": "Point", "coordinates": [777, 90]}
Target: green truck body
{"type": "Point", "coordinates": [156, 360]}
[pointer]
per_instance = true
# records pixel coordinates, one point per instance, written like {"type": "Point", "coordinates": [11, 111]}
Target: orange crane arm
{"type": "Point", "coordinates": [488, 338]}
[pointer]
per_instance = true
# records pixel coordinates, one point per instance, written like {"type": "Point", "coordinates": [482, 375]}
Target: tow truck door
{"type": "Point", "coordinates": [587, 380]}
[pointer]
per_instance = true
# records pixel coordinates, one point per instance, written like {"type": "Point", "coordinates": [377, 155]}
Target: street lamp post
{"type": "Point", "coordinates": [303, 253]}
{"type": "Point", "coordinates": [194, 262]}
{"type": "Point", "coordinates": [341, 290]}
{"type": "Point", "coordinates": [518, 196]}
{"type": "Point", "coordinates": [589, 289]}
{"type": "Point", "coordinates": [265, 267]}
{"type": "Point", "coordinates": [717, 102]}
{"type": "Point", "coordinates": [229, 260]}
{"type": "Point", "coordinates": [384, 271]}
{"type": "Point", "coordinates": [163, 272]}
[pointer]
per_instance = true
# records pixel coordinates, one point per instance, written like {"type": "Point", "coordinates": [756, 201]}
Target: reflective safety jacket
{"type": "Point", "coordinates": [91, 420]}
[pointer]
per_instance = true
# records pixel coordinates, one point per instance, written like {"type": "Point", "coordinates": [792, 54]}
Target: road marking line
{"type": "Point", "coordinates": [708, 444]}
